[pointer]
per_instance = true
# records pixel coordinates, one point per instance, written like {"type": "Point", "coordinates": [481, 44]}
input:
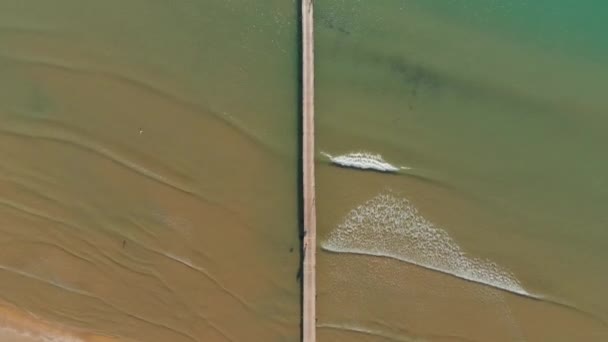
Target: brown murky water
{"type": "Point", "coordinates": [148, 175]}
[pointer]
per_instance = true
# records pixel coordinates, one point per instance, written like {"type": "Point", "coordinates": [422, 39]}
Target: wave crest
{"type": "Point", "coordinates": [363, 161]}
{"type": "Point", "coordinates": [392, 227]}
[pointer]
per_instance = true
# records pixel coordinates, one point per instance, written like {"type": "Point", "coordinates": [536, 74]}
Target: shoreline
{"type": "Point", "coordinates": [17, 325]}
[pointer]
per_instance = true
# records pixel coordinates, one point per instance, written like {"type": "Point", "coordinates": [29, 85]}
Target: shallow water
{"type": "Point", "coordinates": [149, 170]}
{"type": "Point", "coordinates": [497, 109]}
{"type": "Point", "coordinates": [148, 175]}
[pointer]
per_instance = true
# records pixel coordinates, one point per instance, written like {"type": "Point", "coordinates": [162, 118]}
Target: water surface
{"type": "Point", "coordinates": [148, 174]}
{"type": "Point", "coordinates": [497, 110]}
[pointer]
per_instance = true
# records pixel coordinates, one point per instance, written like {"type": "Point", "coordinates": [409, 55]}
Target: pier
{"type": "Point", "coordinates": [308, 174]}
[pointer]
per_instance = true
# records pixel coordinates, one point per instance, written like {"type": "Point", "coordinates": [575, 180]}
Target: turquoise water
{"type": "Point", "coordinates": [563, 24]}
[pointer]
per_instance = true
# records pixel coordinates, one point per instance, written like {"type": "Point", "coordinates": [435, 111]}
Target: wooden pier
{"type": "Point", "coordinates": [308, 172]}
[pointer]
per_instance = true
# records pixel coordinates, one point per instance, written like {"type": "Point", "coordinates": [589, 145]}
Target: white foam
{"type": "Point", "coordinates": [364, 161]}
{"type": "Point", "coordinates": [392, 227]}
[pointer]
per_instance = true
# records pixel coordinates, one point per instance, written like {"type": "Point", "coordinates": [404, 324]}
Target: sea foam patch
{"type": "Point", "coordinates": [392, 227]}
{"type": "Point", "coordinates": [363, 161]}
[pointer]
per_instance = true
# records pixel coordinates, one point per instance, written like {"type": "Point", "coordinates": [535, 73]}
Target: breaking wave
{"type": "Point", "coordinates": [363, 161]}
{"type": "Point", "coordinates": [391, 227]}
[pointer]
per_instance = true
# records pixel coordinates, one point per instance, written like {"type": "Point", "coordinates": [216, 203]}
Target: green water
{"type": "Point", "coordinates": [501, 102]}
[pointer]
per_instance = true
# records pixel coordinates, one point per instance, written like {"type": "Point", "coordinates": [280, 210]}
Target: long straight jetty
{"type": "Point", "coordinates": [308, 163]}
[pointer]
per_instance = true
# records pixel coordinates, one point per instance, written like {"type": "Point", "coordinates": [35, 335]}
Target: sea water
{"type": "Point", "coordinates": [498, 110]}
